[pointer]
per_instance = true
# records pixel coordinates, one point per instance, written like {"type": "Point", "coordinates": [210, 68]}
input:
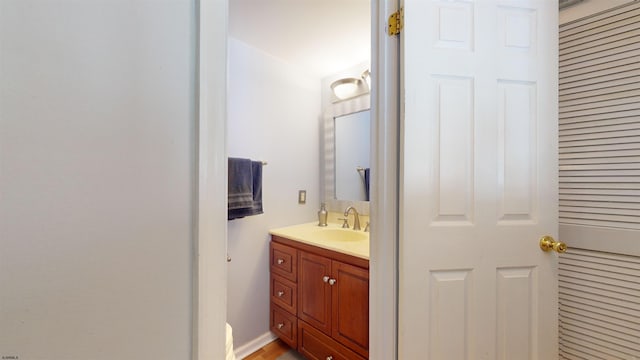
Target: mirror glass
{"type": "Point", "coordinates": [352, 147]}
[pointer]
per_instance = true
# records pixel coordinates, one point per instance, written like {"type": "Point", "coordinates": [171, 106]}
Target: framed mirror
{"type": "Point", "coordinates": [346, 154]}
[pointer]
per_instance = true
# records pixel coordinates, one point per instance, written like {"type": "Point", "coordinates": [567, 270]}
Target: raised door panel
{"type": "Point", "coordinates": [350, 307]}
{"type": "Point", "coordinates": [314, 293]}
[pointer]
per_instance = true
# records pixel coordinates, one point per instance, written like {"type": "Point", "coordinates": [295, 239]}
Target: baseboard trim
{"type": "Point", "coordinates": [254, 345]}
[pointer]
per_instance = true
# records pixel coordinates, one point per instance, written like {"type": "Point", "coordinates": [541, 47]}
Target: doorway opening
{"type": "Point", "coordinates": [280, 74]}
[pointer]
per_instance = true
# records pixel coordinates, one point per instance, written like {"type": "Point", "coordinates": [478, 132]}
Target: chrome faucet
{"type": "Point", "coordinates": [356, 217]}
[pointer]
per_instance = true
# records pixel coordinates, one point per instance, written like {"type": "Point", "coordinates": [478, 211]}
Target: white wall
{"type": "Point", "coordinates": [96, 178]}
{"type": "Point", "coordinates": [274, 116]}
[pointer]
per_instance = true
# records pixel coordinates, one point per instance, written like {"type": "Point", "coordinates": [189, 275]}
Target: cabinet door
{"type": "Point", "coordinates": [314, 293]}
{"type": "Point", "coordinates": [350, 306]}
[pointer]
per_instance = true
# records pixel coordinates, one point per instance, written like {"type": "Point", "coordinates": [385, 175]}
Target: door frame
{"type": "Point", "coordinates": [210, 198]}
{"type": "Point", "coordinates": [209, 305]}
{"type": "Point", "coordinates": [384, 207]}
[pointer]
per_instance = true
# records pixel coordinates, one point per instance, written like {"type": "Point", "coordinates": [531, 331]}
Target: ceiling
{"type": "Point", "coordinates": [323, 36]}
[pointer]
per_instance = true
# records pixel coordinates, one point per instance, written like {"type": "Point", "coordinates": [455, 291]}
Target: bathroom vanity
{"type": "Point", "coordinates": [320, 291]}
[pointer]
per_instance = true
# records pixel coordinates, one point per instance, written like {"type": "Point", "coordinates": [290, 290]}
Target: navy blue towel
{"type": "Point", "coordinates": [240, 183]}
{"type": "Point", "coordinates": [255, 206]}
{"type": "Point", "coordinates": [367, 177]}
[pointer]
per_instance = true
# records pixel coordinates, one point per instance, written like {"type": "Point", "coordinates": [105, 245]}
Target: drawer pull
{"type": "Point", "coordinates": [280, 293]}
{"type": "Point", "coordinates": [280, 261]}
{"type": "Point", "coordinates": [280, 326]}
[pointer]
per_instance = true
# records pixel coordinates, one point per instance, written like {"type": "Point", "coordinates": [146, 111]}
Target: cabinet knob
{"type": "Point", "coordinates": [280, 293]}
{"type": "Point", "coordinates": [332, 281]}
{"type": "Point", "coordinates": [280, 261]}
{"type": "Point", "coordinates": [325, 278]}
{"type": "Point", "coordinates": [329, 357]}
{"type": "Point", "coordinates": [280, 326]}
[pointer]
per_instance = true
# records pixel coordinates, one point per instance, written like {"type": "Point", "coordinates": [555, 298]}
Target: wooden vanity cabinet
{"type": "Point", "coordinates": [332, 302]}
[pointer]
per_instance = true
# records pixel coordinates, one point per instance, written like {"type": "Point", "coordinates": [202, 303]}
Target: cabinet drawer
{"type": "Point", "coordinates": [284, 325]}
{"type": "Point", "coordinates": [315, 345]}
{"type": "Point", "coordinates": [284, 293]}
{"type": "Point", "coordinates": [284, 261]}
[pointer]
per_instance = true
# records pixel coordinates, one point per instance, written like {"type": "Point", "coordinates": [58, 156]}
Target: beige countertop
{"type": "Point", "coordinates": [332, 237]}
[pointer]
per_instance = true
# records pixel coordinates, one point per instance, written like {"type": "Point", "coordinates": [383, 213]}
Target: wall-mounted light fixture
{"type": "Point", "coordinates": [346, 88]}
{"type": "Point", "coordinates": [350, 87]}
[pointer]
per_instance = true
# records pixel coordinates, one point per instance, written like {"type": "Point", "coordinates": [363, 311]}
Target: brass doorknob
{"type": "Point", "coordinates": [547, 243]}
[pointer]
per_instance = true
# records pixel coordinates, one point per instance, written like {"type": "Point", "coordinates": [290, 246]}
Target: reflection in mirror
{"type": "Point", "coordinates": [352, 145]}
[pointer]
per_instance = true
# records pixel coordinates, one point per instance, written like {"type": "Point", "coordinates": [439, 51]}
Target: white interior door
{"type": "Point", "coordinates": [479, 180]}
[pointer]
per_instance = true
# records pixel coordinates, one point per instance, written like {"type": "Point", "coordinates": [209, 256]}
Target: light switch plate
{"type": "Point", "coordinates": [302, 196]}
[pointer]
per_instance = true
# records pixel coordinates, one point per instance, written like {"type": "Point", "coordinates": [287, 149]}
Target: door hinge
{"type": "Point", "coordinates": [396, 22]}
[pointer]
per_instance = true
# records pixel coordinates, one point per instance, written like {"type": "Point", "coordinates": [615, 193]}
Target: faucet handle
{"type": "Point", "coordinates": [366, 228]}
{"type": "Point", "coordinates": [345, 224]}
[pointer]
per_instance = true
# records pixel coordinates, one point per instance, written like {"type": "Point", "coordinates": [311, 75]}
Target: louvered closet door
{"type": "Point", "coordinates": [599, 277]}
{"type": "Point", "coordinates": [599, 305]}
{"type": "Point", "coordinates": [600, 120]}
